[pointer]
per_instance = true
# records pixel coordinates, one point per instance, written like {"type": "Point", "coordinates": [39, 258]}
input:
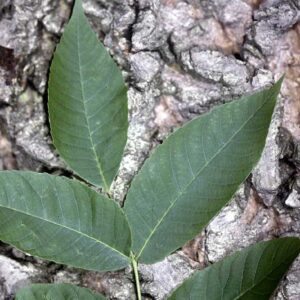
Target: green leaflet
{"type": "Point", "coordinates": [87, 104]}
{"type": "Point", "coordinates": [62, 220]}
{"type": "Point", "coordinates": [56, 292]}
{"type": "Point", "coordinates": [251, 274]}
{"type": "Point", "coordinates": [194, 173]}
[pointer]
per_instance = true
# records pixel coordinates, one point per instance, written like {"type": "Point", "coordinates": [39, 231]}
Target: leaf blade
{"type": "Point", "coordinates": [87, 104]}
{"type": "Point", "coordinates": [62, 220]}
{"type": "Point", "coordinates": [56, 292]}
{"type": "Point", "coordinates": [187, 180]}
{"type": "Point", "coordinates": [248, 274]}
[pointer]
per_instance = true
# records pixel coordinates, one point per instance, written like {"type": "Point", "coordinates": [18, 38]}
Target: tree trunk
{"type": "Point", "coordinates": [180, 58]}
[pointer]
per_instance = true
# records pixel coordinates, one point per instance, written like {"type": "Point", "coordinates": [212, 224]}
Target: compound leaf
{"type": "Point", "coordinates": [56, 292]}
{"type": "Point", "coordinates": [87, 103]}
{"type": "Point", "coordinates": [62, 220]}
{"type": "Point", "coordinates": [195, 172]}
{"type": "Point", "coordinates": [251, 274]}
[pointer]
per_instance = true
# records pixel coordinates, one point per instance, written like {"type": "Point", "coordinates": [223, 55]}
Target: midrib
{"type": "Point", "coordinates": [97, 159]}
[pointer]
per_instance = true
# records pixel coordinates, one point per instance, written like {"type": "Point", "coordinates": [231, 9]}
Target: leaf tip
{"type": "Point", "coordinates": [280, 80]}
{"type": "Point", "coordinates": [77, 8]}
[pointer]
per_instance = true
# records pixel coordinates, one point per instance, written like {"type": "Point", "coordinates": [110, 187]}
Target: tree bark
{"type": "Point", "coordinates": [180, 58]}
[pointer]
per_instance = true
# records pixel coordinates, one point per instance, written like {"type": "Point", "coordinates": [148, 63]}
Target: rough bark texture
{"type": "Point", "coordinates": [180, 58]}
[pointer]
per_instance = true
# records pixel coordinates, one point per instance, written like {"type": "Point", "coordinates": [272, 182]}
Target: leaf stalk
{"type": "Point", "coordinates": [136, 276]}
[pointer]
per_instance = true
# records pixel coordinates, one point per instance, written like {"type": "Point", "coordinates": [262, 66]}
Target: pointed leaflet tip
{"type": "Point", "coordinates": [275, 88]}
{"type": "Point", "coordinates": [77, 9]}
{"type": "Point", "coordinates": [281, 78]}
{"type": "Point", "coordinates": [77, 5]}
{"type": "Point", "coordinates": [278, 83]}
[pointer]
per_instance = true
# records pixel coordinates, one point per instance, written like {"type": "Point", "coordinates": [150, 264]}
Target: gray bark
{"type": "Point", "coordinates": [180, 58]}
